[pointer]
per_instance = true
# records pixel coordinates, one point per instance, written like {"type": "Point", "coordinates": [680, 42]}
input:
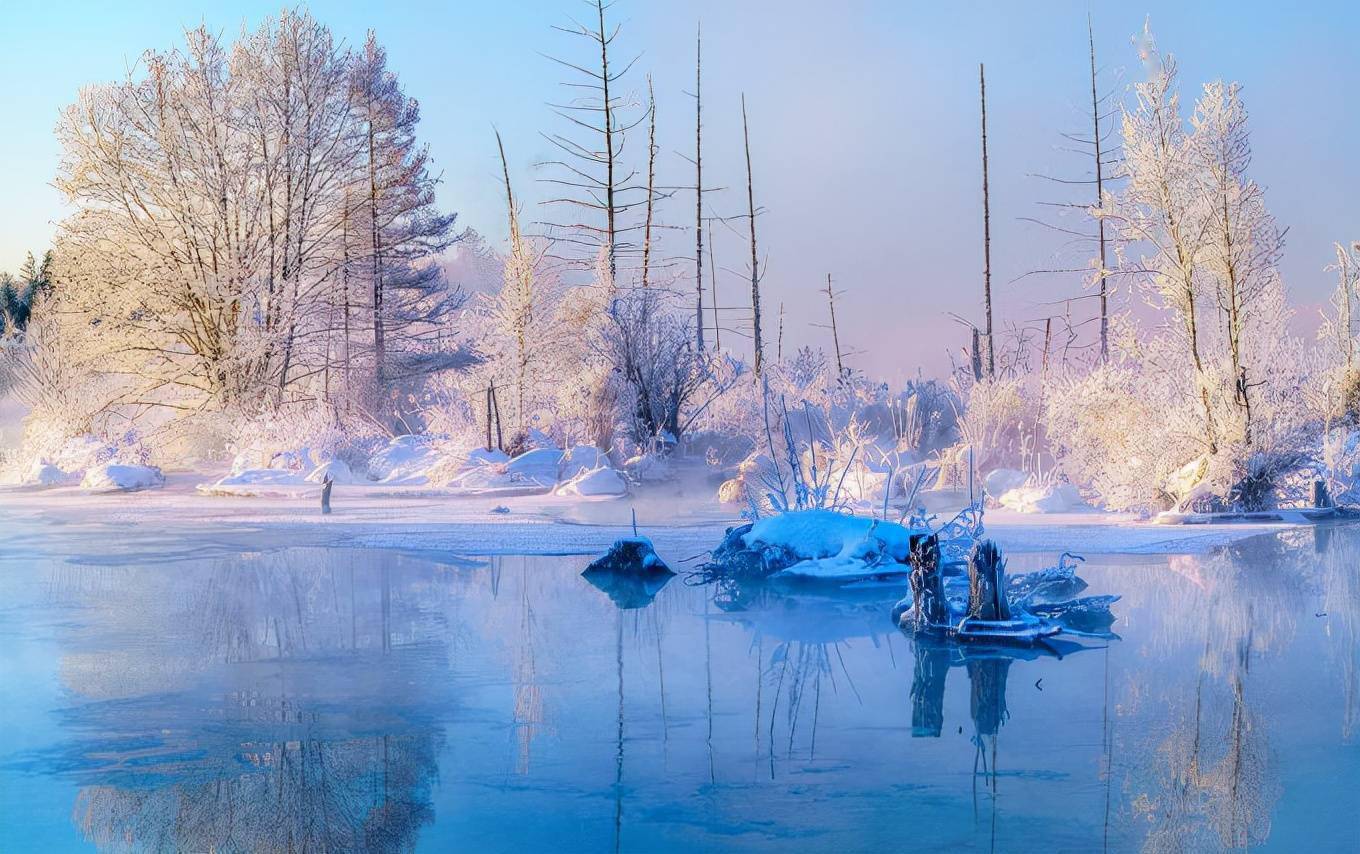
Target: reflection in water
{"type": "Point", "coordinates": [219, 723]}
{"type": "Point", "coordinates": [343, 700]}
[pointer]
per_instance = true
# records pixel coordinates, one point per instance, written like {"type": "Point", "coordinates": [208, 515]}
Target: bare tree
{"type": "Point", "coordinates": [699, 200]}
{"type": "Point", "coordinates": [835, 333]}
{"type": "Point", "coordinates": [590, 174]}
{"type": "Point", "coordinates": [755, 262]}
{"type": "Point", "coordinates": [986, 234]}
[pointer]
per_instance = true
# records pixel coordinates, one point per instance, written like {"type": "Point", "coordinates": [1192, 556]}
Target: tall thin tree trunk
{"type": "Point", "coordinates": [344, 286]}
{"type": "Point", "coordinates": [651, 184]}
{"type": "Point", "coordinates": [779, 336]}
{"type": "Point", "coordinates": [699, 200]}
{"type": "Point", "coordinates": [755, 268]}
{"type": "Point", "coordinates": [608, 110]}
{"type": "Point", "coordinates": [835, 334]}
{"type": "Point", "coordinates": [986, 234]}
{"type": "Point", "coordinates": [379, 341]}
{"type": "Point", "coordinates": [713, 280]}
{"type": "Point", "coordinates": [521, 330]}
{"type": "Point", "coordinates": [1100, 196]}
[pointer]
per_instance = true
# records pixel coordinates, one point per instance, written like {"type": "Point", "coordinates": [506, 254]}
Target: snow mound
{"type": "Point", "coordinates": [43, 473]}
{"type": "Point", "coordinates": [115, 477]}
{"type": "Point", "coordinates": [1053, 498]}
{"type": "Point", "coordinates": [338, 470]}
{"type": "Point", "coordinates": [531, 471]}
{"type": "Point", "coordinates": [405, 461]}
{"type": "Point", "coordinates": [486, 456]}
{"type": "Point", "coordinates": [1000, 481]}
{"type": "Point", "coordinates": [262, 477]}
{"type": "Point", "coordinates": [815, 544]}
{"type": "Point", "coordinates": [599, 482]}
{"type": "Point", "coordinates": [581, 459]}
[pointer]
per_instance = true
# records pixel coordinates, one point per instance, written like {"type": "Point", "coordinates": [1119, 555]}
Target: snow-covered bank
{"type": "Point", "coordinates": [69, 522]}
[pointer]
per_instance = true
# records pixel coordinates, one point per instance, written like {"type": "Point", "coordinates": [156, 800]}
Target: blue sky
{"type": "Point", "coordinates": [864, 127]}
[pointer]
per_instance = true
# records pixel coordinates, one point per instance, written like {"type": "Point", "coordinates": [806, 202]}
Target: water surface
{"type": "Point", "coordinates": [325, 699]}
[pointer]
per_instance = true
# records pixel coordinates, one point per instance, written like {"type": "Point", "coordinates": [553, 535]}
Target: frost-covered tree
{"type": "Point", "coordinates": [1242, 244]}
{"type": "Point", "coordinates": [405, 230]}
{"type": "Point", "coordinates": [19, 296]}
{"type": "Point", "coordinates": [521, 313]}
{"type": "Point", "coordinates": [1159, 211]}
{"type": "Point", "coordinates": [244, 214]}
{"type": "Point", "coordinates": [1338, 328]}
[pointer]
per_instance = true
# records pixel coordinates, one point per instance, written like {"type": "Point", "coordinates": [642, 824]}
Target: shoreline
{"type": "Point", "coordinates": [79, 524]}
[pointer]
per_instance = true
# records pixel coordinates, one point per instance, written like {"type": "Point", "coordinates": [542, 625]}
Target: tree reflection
{"type": "Point", "coordinates": [1213, 783]}
{"type": "Point", "coordinates": [272, 702]}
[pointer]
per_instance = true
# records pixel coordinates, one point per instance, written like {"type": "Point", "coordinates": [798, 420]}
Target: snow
{"type": "Point", "coordinates": [338, 470]}
{"type": "Point", "coordinates": [832, 545]}
{"type": "Point", "coordinates": [115, 477]}
{"type": "Point", "coordinates": [1000, 481]}
{"type": "Point", "coordinates": [1050, 498]}
{"type": "Point", "coordinates": [261, 477]}
{"type": "Point", "coordinates": [599, 482]}
{"type": "Point", "coordinates": [404, 462]}
{"type": "Point", "coordinates": [630, 554]}
{"type": "Point", "coordinates": [43, 473]}
{"type": "Point", "coordinates": [531, 471]}
{"type": "Point", "coordinates": [579, 460]}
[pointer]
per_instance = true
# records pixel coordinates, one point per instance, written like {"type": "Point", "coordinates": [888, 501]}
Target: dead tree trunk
{"type": "Point", "coordinates": [713, 279]}
{"type": "Point", "coordinates": [755, 264]}
{"type": "Point", "coordinates": [699, 201]}
{"type": "Point", "coordinates": [987, 583]}
{"type": "Point", "coordinates": [986, 234]}
{"type": "Point", "coordinates": [1100, 196]}
{"type": "Point", "coordinates": [651, 184]}
{"type": "Point", "coordinates": [928, 603]}
{"type": "Point", "coordinates": [779, 346]}
{"type": "Point", "coordinates": [835, 334]}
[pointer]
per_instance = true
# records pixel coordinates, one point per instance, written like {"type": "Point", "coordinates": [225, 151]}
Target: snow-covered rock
{"type": "Point", "coordinates": [815, 544]}
{"type": "Point", "coordinates": [1050, 498]}
{"type": "Point", "coordinates": [1000, 481]}
{"type": "Point", "coordinates": [579, 460]}
{"type": "Point", "coordinates": [595, 483]}
{"type": "Point", "coordinates": [338, 470]}
{"type": "Point", "coordinates": [405, 461]}
{"type": "Point", "coordinates": [117, 477]}
{"type": "Point", "coordinates": [630, 554]}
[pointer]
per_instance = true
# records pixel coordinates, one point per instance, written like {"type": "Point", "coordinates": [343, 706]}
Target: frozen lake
{"type": "Point", "coordinates": [309, 698]}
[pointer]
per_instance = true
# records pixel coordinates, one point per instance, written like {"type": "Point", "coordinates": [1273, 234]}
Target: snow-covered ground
{"type": "Point", "coordinates": [682, 519]}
